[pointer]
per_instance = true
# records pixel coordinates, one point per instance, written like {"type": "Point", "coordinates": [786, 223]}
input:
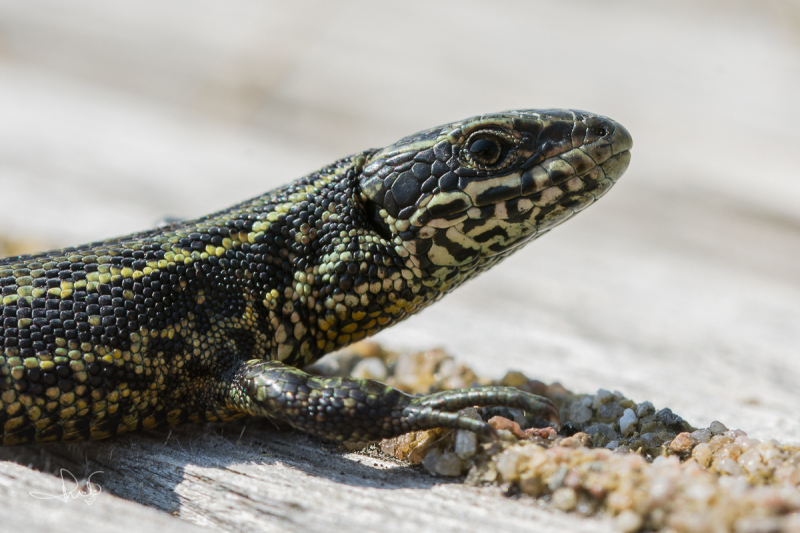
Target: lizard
{"type": "Point", "coordinates": [213, 319]}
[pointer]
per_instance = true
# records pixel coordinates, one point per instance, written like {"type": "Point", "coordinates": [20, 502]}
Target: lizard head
{"type": "Point", "coordinates": [457, 198]}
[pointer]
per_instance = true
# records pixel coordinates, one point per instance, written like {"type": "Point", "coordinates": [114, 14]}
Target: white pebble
{"type": "Point", "coordinates": [466, 443]}
{"type": "Point", "coordinates": [628, 522]}
{"type": "Point", "coordinates": [506, 464]}
{"type": "Point", "coordinates": [565, 499]}
{"type": "Point", "coordinates": [661, 489]}
{"type": "Point", "coordinates": [702, 454]}
{"type": "Point", "coordinates": [747, 443]}
{"type": "Point", "coordinates": [700, 493]}
{"type": "Point", "coordinates": [627, 423]}
{"type": "Point", "coordinates": [735, 433]}
{"type": "Point", "coordinates": [769, 451]}
{"type": "Point", "coordinates": [406, 370]}
{"type": "Point", "coordinates": [447, 368]}
{"type": "Point", "coordinates": [429, 461]}
{"type": "Point", "coordinates": [728, 466]}
{"type": "Point", "coordinates": [448, 465]}
{"type": "Point", "coordinates": [370, 368]}
{"type": "Point", "coordinates": [751, 462]}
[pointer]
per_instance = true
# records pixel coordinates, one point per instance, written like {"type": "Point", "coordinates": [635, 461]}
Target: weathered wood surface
{"type": "Point", "coordinates": [251, 477]}
{"type": "Point", "coordinates": [37, 501]}
{"type": "Point", "coordinates": [681, 287]}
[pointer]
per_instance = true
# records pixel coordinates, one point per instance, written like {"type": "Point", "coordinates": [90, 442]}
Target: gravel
{"type": "Point", "coordinates": [646, 467]}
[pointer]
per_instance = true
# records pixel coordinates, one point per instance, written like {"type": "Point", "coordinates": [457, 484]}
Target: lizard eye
{"type": "Point", "coordinates": [489, 150]}
{"type": "Point", "coordinates": [485, 150]}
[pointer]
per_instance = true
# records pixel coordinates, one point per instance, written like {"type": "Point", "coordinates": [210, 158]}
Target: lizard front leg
{"type": "Point", "coordinates": [349, 409]}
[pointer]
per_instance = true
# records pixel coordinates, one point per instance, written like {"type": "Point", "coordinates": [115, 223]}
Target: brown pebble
{"type": "Point", "coordinates": [413, 447]}
{"type": "Point", "coordinates": [556, 389]}
{"type": "Point", "coordinates": [682, 444]}
{"type": "Point", "coordinates": [536, 387]}
{"type": "Point", "coordinates": [397, 446]}
{"type": "Point", "coordinates": [513, 378]}
{"type": "Point", "coordinates": [367, 349]}
{"type": "Point", "coordinates": [545, 433]}
{"type": "Point", "coordinates": [570, 442]}
{"type": "Point", "coordinates": [499, 422]}
{"type": "Point", "coordinates": [579, 439]}
{"type": "Point", "coordinates": [583, 438]}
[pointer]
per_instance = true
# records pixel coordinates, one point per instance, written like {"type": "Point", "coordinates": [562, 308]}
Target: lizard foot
{"type": "Point", "coordinates": [349, 409]}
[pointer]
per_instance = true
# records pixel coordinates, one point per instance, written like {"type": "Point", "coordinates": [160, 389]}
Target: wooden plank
{"type": "Point", "coordinates": [248, 476]}
{"type": "Point", "coordinates": [681, 288]}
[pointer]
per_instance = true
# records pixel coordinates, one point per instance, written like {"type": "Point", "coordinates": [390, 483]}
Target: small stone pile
{"type": "Point", "coordinates": [646, 467]}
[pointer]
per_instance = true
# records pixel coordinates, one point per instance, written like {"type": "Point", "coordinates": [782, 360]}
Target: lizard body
{"type": "Point", "coordinates": [210, 319]}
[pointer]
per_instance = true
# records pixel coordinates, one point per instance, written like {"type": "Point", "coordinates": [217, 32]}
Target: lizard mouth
{"type": "Point", "coordinates": [552, 182]}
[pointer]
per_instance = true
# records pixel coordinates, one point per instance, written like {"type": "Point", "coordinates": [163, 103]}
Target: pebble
{"type": "Point", "coordinates": [702, 454]}
{"type": "Point", "coordinates": [416, 372]}
{"type": "Point", "coordinates": [627, 424]}
{"type": "Point", "coordinates": [447, 464]}
{"type": "Point", "coordinates": [579, 412]}
{"type": "Point", "coordinates": [628, 522]}
{"type": "Point", "coordinates": [466, 443]}
{"type": "Point", "coordinates": [370, 368]}
{"type": "Point", "coordinates": [578, 440]}
{"type": "Point", "coordinates": [610, 412]}
{"type": "Point", "coordinates": [513, 378]}
{"type": "Point", "coordinates": [645, 409]}
{"type": "Point", "coordinates": [414, 446]}
{"type": "Point", "coordinates": [543, 433]}
{"type": "Point", "coordinates": [602, 397]}
{"type": "Point", "coordinates": [717, 428]}
{"type": "Point", "coordinates": [430, 459]}
{"type": "Point", "coordinates": [601, 434]}
{"type": "Point", "coordinates": [661, 475]}
{"type": "Point", "coordinates": [506, 465]}
{"type": "Point", "coordinates": [565, 499]}
{"type": "Point", "coordinates": [501, 423]}
{"type": "Point", "coordinates": [368, 349]}
{"type": "Point", "coordinates": [702, 435]}
{"type": "Point", "coordinates": [682, 444]}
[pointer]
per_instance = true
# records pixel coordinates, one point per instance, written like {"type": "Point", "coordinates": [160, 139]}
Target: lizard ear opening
{"type": "Point", "coordinates": [380, 225]}
{"type": "Point", "coordinates": [373, 192]}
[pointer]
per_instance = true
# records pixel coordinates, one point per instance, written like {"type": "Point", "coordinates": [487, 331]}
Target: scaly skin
{"type": "Point", "coordinates": [209, 319]}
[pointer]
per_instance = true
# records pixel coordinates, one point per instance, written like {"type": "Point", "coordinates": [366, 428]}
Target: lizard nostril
{"type": "Point", "coordinates": [600, 131]}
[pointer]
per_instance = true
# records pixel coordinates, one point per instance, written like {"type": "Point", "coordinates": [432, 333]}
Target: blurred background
{"type": "Point", "coordinates": [682, 286]}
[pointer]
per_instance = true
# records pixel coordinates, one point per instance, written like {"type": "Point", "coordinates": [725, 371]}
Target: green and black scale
{"type": "Point", "coordinates": [210, 319]}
